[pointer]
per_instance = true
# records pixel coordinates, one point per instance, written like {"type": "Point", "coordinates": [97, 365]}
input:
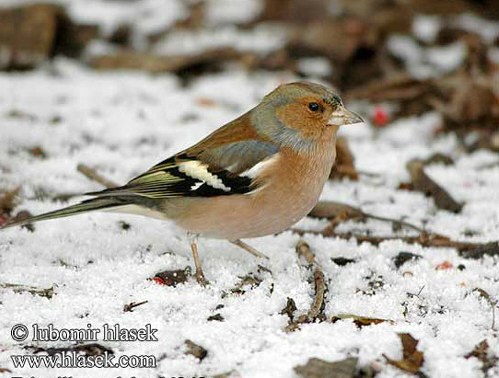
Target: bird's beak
{"type": "Point", "coordinates": [343, 116]}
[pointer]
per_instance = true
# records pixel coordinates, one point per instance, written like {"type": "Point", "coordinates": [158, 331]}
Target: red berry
{"type": "Point", "coordinates": [380, 116]}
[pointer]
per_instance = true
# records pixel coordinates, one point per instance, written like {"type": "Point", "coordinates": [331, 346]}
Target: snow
{"type": "Point", "coordinates": [232, 11]}
{"type": "Point", "coordinates": [263, 38]}
{"type": "Point", "coordinates": [426, 28]}
{"type": "Point", "coordinates": [423, 63]}
{"type": "Point", "coordinates": [122, 123]}
{"type": "Point", "coordinates": [315, 67]}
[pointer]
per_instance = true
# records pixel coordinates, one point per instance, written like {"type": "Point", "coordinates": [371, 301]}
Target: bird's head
{"type": "Point", "coordinates": [297, 114]}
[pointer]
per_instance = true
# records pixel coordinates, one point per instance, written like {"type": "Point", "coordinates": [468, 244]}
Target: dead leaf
{"type": "Point", "coordinates": [195, 350]}
{"type": "Point", "coordinates": [423, 183]}
{"type": "Point", "coordinates": [46, 293]}
{"type": "Point", "coordinates": [8, 201]}
{"type": "Point", "coordinates": [360, 321]}
{"type": "Point", "coordinates": [37, 152]}
{"type": "Point", "coordinates": [92, 349]}
{"type": "Point", "coordinates": [133, 60]}
{"type": "Point", "coordinates": [317, 368]}
{"type": "Point", "coordinates": [484, 355]}
{"type": "Point", "coordinates": [331, 209]}
{"type": "Point", "coordinates": [412, 359]}
{"type": "Point", "coordinates": [248, 280]}
{"type": "Point", "coordinates": [216, 317]}
{"type": "Point", "coordinates": [172, 277]}
{"type": "Point", "coordinates": [342, 261]}
{"type": "Point", "coordinates": [344, 163]}
{"type": "Point", "coordinates": [403, 257]}
{"type": "Point", "coordinates": [289, 309]}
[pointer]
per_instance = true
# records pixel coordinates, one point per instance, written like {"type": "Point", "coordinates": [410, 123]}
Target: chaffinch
{"type": "Point", "coordinates": [254, 176]}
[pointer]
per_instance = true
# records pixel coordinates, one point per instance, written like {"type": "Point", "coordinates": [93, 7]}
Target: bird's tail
{"type": "Point", "coordinates": [82, 207]}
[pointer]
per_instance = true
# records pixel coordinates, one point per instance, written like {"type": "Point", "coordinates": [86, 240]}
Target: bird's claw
{"type": "Point", "coordinates": [201, 279]}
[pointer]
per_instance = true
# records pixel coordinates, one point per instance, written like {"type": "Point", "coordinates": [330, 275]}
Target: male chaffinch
{"type": "Point", "coordinates": [254, 176]}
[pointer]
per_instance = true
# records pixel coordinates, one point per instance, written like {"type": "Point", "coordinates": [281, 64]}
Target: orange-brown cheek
{"type": "Point", "coordinates": [296, 116]}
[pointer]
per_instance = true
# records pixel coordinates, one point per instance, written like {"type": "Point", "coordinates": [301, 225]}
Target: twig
{"type": "Point", "coordinates": [396, 221]}
{"type": "Point", "coordinates": [465, 249]}
{"type": "Point", "coordinates": [320, 289]}
{"type": "Point", "coordinates": [94, 176]}
{"type": "Point", "coordinates": [482, 293]}
{"type": "Point", "coordinates": [315, 312]}
{"type": "Point", "coordinates": [130, 306]}
{"type": "Point", "coordinates": [339, 212]}
{"type": "Point", "coordinates": [303, 249]}
{"type": "Point", "coordinates": [423, 183]}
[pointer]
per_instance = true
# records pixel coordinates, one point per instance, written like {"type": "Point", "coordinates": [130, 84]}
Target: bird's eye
{"type": "Point", "coordinates": [313, 106]}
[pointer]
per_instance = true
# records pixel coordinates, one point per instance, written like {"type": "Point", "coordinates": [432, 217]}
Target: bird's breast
{"type": "Point", "coordinates": [289, 189]}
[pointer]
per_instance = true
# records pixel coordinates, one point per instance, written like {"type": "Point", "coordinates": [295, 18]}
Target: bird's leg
{"type": "Point", "coordinates": [193, 238]}
{"type": "Point", "coordinates": [248, 248]}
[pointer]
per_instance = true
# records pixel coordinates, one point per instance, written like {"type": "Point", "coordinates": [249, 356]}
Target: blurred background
{"type": "Point", "coordinates": [392, 58]}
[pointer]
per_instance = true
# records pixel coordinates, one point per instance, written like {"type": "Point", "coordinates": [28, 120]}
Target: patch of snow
{"type": "Point", "coordinates": [426, 27]}
{"type": "Point", "coordinates": [264, 38]}
{"type": "Point", "coordinates": [232, 11]}
{"type": "Point", "coordinates": [487, 29]}
{"type": "Point", "coordinates": [447, 58]}
{"type": "Point", "coordinates": [315, 67]}
{"type": "Point", "coordinates": [424, 63]}
{"type": "Point", "coordinates": [122, 123]}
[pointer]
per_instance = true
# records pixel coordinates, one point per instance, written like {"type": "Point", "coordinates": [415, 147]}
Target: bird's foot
{"type": "Point", "coordinates": [200, 278]}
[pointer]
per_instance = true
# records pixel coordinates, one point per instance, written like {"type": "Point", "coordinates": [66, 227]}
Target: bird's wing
{"type": "Point", "coordinates": [221, 164]}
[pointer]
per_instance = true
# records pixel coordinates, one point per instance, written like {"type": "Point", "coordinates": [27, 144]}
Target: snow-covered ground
{"type": "Point", "coordinates": [123, 123]}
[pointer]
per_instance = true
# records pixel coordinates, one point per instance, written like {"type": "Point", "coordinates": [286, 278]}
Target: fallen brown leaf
{"type": "Point", "coordinates": [172, 277]}
{"type": "Point", "coordinates": [360, 321]}
{"type": "Point", "coordinates": [195, 350]}
{"type": "Point", "coordinates": [8, 201]}
{"type": "Point", "coordinates": [344, 163]}
{"type": "Point", "coordinates": [317, 368]}
{"type": "Point", "coordinates": [92, 349]}
{"type": "Point", "coordinates": [423, 183]}
{"type": "Point", "coordinates": [289, 309]}
{"type": "Point", "coordinates": [412, 359]}
{"type": "Point", "coordinates": [16, 288]}
{"type": "Point", "coordinates": [484, 355]}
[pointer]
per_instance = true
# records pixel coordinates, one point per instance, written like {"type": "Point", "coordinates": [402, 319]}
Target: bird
{"type": "Point", "coordinates": [254, 176]}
